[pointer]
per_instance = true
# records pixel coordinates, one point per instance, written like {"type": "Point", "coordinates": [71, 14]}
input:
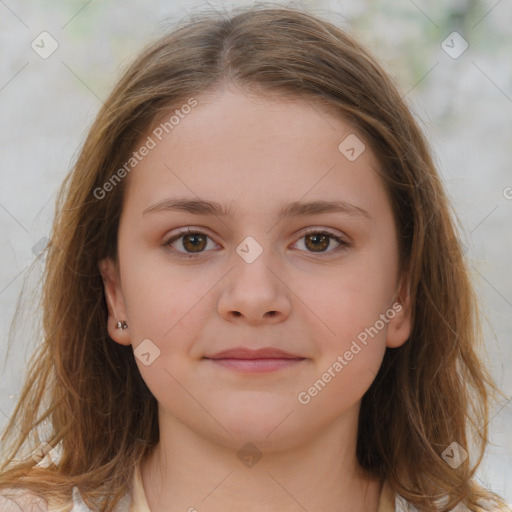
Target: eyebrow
{"type": "Point", "coordinates": [295, 209]}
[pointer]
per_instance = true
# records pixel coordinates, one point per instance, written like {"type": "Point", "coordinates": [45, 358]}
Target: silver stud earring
{"type": "Point", "coordinates": [122, 325]}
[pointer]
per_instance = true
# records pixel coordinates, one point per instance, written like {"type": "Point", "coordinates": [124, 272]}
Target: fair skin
{"type": "Point", "coordinates": [256, 154]}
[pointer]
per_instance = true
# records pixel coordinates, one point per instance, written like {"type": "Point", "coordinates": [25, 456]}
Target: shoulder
{"type": "Point", "coordinates": [21, 500]}
{"type": "Point", "coordinates": [402, 505]}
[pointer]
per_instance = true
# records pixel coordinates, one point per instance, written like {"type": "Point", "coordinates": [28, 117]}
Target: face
{"type": "Point", "coordinates": [321, 284]}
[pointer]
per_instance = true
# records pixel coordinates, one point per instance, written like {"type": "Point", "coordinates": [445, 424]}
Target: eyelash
{"type": "Point", "coordinates": [343, 243]}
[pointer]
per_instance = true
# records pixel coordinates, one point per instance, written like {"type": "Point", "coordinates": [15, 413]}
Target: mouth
{"type": "Point", "coordinates": [263, 360]}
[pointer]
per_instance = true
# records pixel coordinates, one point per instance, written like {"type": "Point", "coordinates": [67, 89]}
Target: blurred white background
{"type": "Point", "coordinates": [464, 104]}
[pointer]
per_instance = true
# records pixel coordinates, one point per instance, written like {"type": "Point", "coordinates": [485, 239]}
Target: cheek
{"type": "Point", "coordinates": [350, 352]}
{"type": "Point", "coordinates": [347, 302]}
{"type": "Point", "coordinates": [161, 298]}
{"type": "Point", "coordinates": [354, 306]}
{"type": "Point", "coordinates": [340, 384]}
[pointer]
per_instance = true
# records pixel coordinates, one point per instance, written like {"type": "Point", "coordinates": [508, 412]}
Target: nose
{"type": "Point", "coordinates": [255, 292]}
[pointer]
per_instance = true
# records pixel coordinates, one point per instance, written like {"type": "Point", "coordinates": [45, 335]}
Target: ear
{"type": "Point", "coordinates": [400, 325]}
{"type": "Point", "coordinates": [115, 301]}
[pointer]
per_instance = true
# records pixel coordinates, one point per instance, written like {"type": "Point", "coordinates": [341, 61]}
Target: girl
{"type": "Point", "coordinates": [254, 293]}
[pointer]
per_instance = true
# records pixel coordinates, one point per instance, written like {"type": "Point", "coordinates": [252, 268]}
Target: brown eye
{"type": "Point", "coordinates": [192, 242]}
{"type": "Point", "coordinates": [195, 243]}
{"type": "Point", "coordinates": [319, 241]}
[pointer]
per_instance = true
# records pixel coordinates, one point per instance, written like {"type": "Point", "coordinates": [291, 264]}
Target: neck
{"type": "Point", "coordinates": [186, 471]}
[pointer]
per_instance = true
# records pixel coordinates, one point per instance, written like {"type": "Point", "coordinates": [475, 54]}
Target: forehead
{"type": "Point", "coordinates": [256, 151]}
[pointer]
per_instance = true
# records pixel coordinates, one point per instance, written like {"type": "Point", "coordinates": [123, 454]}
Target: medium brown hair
{"type": "Point", "coordinates": [430, 392]}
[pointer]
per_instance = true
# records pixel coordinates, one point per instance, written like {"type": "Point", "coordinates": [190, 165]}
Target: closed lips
{"type": "Point", "coordinates": [244, 353]}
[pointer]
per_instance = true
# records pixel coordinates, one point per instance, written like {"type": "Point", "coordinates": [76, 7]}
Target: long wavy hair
{"type": "Point", "coordinates": [86, 389]}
